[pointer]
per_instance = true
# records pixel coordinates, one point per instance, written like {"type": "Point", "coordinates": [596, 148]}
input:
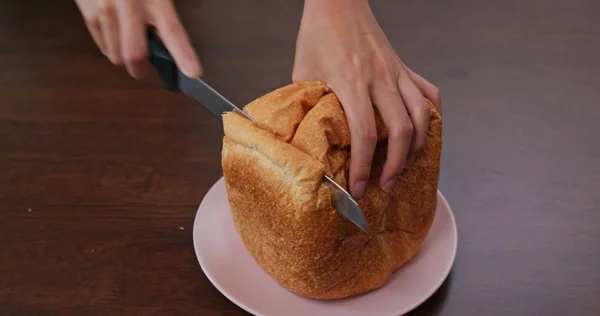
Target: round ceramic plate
{"type": "Point", "coordinates": [233, 271]}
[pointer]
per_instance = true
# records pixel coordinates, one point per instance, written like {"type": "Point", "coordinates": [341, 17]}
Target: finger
{"type": "Point", "coordinates": [89, 12]}
{"type": "Point", "coordinates": [431, 92]}
{"type": "Point", "coordinates": [134, 47]}
{"type": "Point", "coordinates": [419, 112]}
{"type": "Point", "coordinates": [170, 30]}
{"type": "Point", "coordinates": [110, 31]}
{"type": "Point", "coordinates": [400, 129]}
{"type": "Point", "coordinates": [363, 133]}
{"type": "Point", "coordinates": [93, 26]}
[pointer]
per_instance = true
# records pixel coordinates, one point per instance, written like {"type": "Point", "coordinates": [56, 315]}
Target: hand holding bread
{"type": "Point", "coordinates": [283, 211]}
{"type": "Point", "coordinates": [341, 44]}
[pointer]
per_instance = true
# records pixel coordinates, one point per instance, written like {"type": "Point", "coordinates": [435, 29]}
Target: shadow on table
{"type": "Point", "coordinates": [434, 304]}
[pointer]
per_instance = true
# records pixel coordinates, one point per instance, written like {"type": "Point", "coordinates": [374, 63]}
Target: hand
{"type": "Point", "coordinates": [119, 29]}
{"type": "Point", "coordinates": [341, 44]}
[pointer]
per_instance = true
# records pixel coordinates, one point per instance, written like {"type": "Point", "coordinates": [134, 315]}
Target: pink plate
{"type": "Point", "coordinates": [232, 270]}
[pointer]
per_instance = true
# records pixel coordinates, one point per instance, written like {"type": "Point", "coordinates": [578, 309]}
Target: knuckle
{"type": "Point", "coordinates": [92, 20]}
{"type": "Point", "coordinates": [134, 57]}
{"type": "Point", "coordinates": [106, 8]}
{"type": "Point", "coordinates": [403, 130]}
{"type": "Point", "coordinates": [363, 168]}
{"type": "Point", "coordinates": [173, 27]}
{"type": "Point", "coordinates": [355, 74]}
{"type": "Point", "coordinates": [384, 73]}
{"type": "Point", "coordinates": [436, 95]}
{"type": "Point", "coordinates": [129, 60]}
{"type": "Point", "coordinates": [418, 146]}
{"type": "Point", "coordinates": [424, 107]}
{"type": "Point", "coordinates": [380, 63]}
{"type": "Point", "coordinates": [387, 83]}
{"type": "Point", "coordinates": [367, 133]}
{"type": "Point", "coordinates": [351, 76]}
{"type": "Point", "coordinates": [407, 129]}
{"type": "Point", "coordinates": [387, 86]}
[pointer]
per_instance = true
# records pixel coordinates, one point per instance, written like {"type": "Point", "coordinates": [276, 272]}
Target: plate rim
{"type": "Point", "coordinates": [253, 312]}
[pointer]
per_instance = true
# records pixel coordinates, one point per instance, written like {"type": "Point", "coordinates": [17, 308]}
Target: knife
{"type": "Point", "coordinates": [174, 80]}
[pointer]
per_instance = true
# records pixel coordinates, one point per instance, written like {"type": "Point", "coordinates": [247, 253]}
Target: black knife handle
{"type": "Point", "coordinates": [162, 60]}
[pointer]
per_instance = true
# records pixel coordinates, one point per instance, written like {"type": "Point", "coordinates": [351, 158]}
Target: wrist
{"type": "Point", "coordinates": [323, 4]}
{"type": "Point", "coordinates": [330, 6]}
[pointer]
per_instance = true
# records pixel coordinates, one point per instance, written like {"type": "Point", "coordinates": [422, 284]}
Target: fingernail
{"type": "Point", "coordinates": [138, 70]}
{"type": "Point", "coordinates": [192, 69]}
{"type": "Point", "coordinates": [388, 186]}
{"type": "Point", "coordinates": [131, 71]}
{"type": "Point", "coordinates": [115, 59]}
{"type": "Point", "coordinates": [359, 189]}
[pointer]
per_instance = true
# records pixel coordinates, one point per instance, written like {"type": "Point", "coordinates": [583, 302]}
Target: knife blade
{"type": "Point", "coordinates": [174, 80]}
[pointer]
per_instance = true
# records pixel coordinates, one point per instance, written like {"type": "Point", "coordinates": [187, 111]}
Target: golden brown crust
{"type": "Point", "coordinates": [283, 212]}
{"type": "Point", "coordinates": [280, 111]}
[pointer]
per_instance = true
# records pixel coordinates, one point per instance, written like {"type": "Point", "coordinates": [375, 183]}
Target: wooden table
{"type": "Point", "coordinates": [101, 175]}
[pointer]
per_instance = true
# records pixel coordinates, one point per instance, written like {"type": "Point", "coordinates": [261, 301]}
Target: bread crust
{"type": "Point", "coordinates": [282, 210]}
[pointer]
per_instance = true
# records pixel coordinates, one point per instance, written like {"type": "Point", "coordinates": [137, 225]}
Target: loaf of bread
{"type": "Point", "coordinates": [282, 209]}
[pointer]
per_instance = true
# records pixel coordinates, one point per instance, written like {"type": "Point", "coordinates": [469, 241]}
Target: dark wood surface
{"type": "Point", "coordinates": [101, 175]}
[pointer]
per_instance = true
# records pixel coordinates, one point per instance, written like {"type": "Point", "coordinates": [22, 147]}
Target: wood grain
{"type": "Point", "coordinates": [101, 175]}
